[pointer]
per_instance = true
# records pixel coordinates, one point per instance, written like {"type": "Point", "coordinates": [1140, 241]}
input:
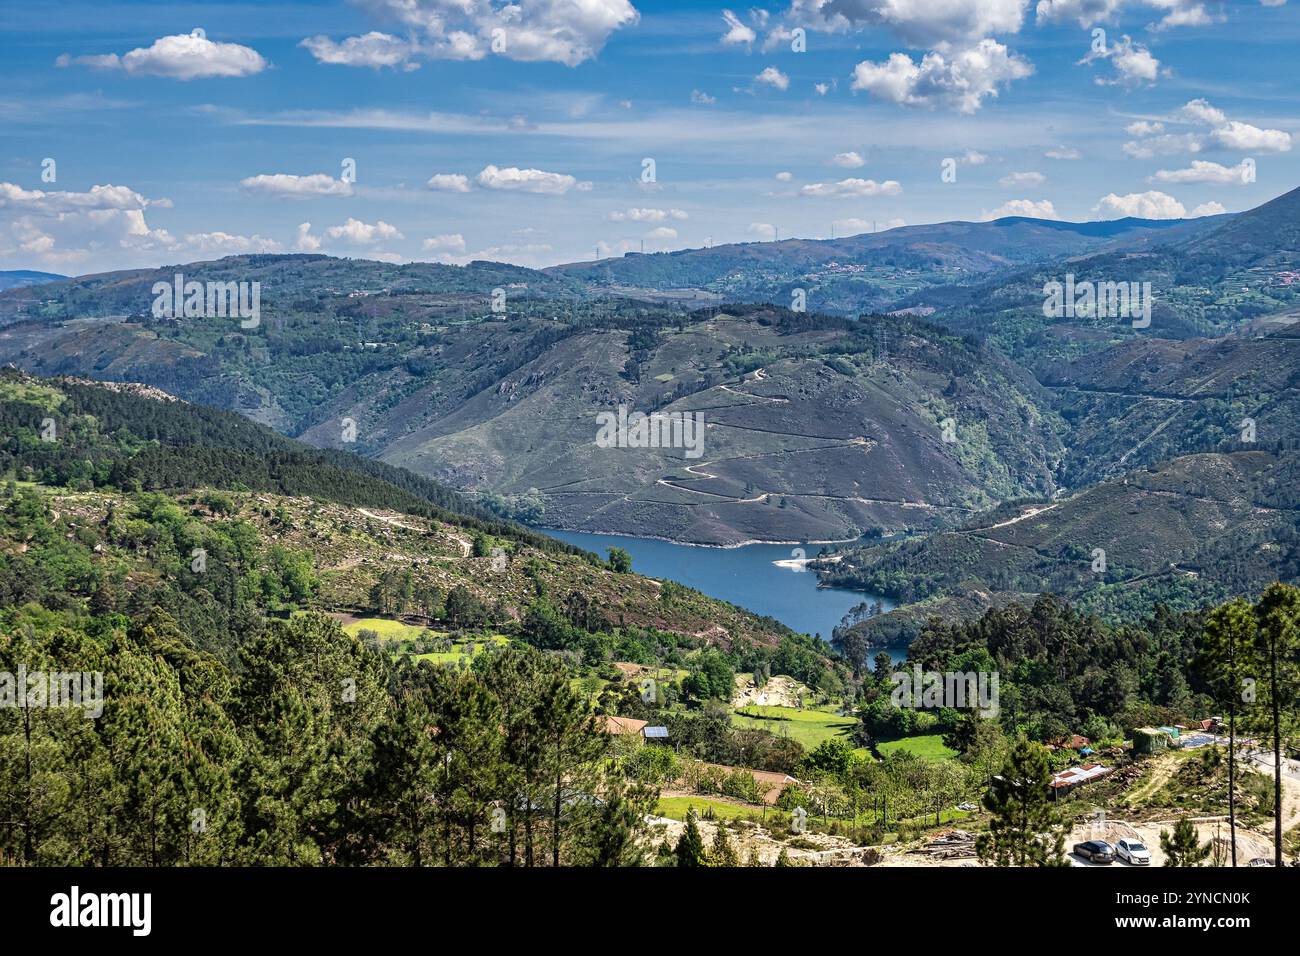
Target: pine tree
{"type": "Point", "coordinates": [783, 858]}
{"type": "Point", "coordinates": [723, 854]}
{"type": "Point", "coordinates": [1024, 830]}
{"type": "Point", "coordinates": [1278, 640]}
{"type": "Point", "coordinates": [1183, 848]}
{"type": "Point", "coordinates": [690, 847]}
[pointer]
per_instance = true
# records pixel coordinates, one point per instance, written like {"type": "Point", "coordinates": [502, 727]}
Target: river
{"type": "Point", "coordinates": [745, 576]}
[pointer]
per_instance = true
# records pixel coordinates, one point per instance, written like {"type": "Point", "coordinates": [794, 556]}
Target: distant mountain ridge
{"type": "Point", "coordinates": [17, 278]}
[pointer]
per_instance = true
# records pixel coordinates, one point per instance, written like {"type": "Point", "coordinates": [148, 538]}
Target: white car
{"type": "Point", "coordinates": [1133, 853]}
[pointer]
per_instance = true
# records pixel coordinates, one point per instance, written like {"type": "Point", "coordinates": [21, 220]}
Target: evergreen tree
{"type": "Point", "coordinates": [1024, 830]}
{"type": "Point", "coordinates": [690, 846]}
{"type": "Point", "coordinates": [1183, 848]}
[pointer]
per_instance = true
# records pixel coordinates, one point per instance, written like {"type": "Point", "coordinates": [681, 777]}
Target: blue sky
{"type": "Point", "coordinates": [170, 146]}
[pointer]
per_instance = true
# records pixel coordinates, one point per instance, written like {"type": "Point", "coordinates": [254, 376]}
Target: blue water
{"type": "Point", "coordinates": [744, 576]}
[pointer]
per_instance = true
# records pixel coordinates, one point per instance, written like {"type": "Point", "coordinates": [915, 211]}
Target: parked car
{"type": "Point", "coordinates": [1133, 853]}
{"type": "Point", "coordinates": [1095, 851]}
{"type": "Point", "coordinates": [969, 807]}
{"type": "Point", "coordinates": [1260, 861]}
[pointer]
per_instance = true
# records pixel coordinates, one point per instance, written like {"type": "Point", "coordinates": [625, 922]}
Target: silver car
{"type": "Point", "coordinates": [1133, 853]}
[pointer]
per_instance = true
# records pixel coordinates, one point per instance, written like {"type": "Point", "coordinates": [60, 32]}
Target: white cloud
{"type": "Point", "coordinates": [662, 232]}
{"type": "Point", "coordinates": [764, 230]}
{"type": "Point", "coordinates": [853, 187]}
{"type": "Point", "coordinates": [785, 176]}
{"type": "Point", "coordinates": [1144, 128]}
{"type": "Point", "coordinates": [306, 242]}
{"type": "Point", "coordinates": [959, 79]}
{"type": "Point", "coordinates": [973, 157]}
{"type": "Point", "coordinates": [451, 242]}
{"type": "Point", "coordinates": [225, 244]}
{"type": "Point", "coordinates": [1030, 208]}
{"type": "Point", "coordinates": [822, 88]}
{"type": "Point", "coordinates": [356, 232]}
{"type": "Point", "coordinates": [181, 57]}
{"type": "Point", "coordinates": [1063, 153]}
{"type": "Point", "coordinates": [1238, 135]}
{"type": "Point", "coordinates": [1223, 133]}
{"type": "Point", "coordinates": [528, 180]}
{"type": "Point", "coordinates": [849, 160]}
{"type": "Point", "coordinates": [737, 33]}
{"type": "Point", "coordinates": [88, 231]}
{"type": "Point", "coordinates": [1209, 209]}
{"type": "Point", "coordinates": [702, 98]}
{"type": "Point", "coordinates": [289, 186]}
{"type": "Point", "coordinates": [1088, 13]}
{"type": "Point", "coordinates": [1084, 12]}
{"type": "Point", "coordinates": [1200, 111]}
{"type": "Point", "coordinates": [1202, 171]}
{"type": "Point", "coordinates": [529, 31]}
{"type": "Point", "coordinates": [773, 77]}
{"type": "Point", "coordinates": [375, 50]}
{"type": "Point", "coordinates": [1148, 205]}
{"type": "Point", "coordinates": [1021, 180]}
{"type": "Point", "coordinates": [449, 182]}
{"type": "Point", "coordinates": [854, 225]}
{"type": "Point", "coordinates": [917, 22]}
{"type": "Point", "coordinates": [1133, 63]}
{"type": "Point", "coordinates": [1166, 144]}
{"type": "Point", "coordinates": [646, 215]}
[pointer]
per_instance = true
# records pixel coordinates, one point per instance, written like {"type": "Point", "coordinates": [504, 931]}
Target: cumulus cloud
{"type": "Point", "coordinates": [973, 157]}
{"type": "Point", "coordinates": [375, 50]}
{"type": "Point", "coordinates": [449, 243]}
{"type": "Point", "coordinates": [1223, 133]}
{"type": "Point", "coordinates": [1021, 180]}
{"type": "Point", "coordinates": [528, 180]}
{"type": "Point", "coordinates": [737, 32]}
{"type": "Point", "coordinates": [917, 22]}
{"type": "Point", "coordinates": [528, 30]}
{"type": "Point", "coordinates": [1133, 63]}
{"type": "Point", "coordinates": [289, 186]}
{"type": "Point", "coordinates": [1063, 153]}
{"type": "Point", "coordinates": [785, 176]}
{"type": "Point", "coordinates": [88, 231]}
{"type": "Point", "coordinates": [849, 160]}
{"type": "Point", "coordinates": [702, 98]}
{"type": "Point", "coordinates": [764, 230]}
{"type": "Point", "coordinates": [662, 232]}
{"type": "Point", "coordinates": [1088, 13]}
{"type": "Point", "coordinates": [646, 215]}
{"type": "Point", "coordinates": [358, 233]}
{"type": "Point", "coordinates": [449, 182]}
{"type": "Point", "coordinates": [1210, 208]}
{"type": "Point", "coordinates": [773, 77]}
{"type": "Point", "coordinates": [1031, 208]}
{"type": "Point", "coordinates": [1201, 171]}
{"type": "Point", "coordinates": [853, 225]}
{"type": "Point", "coordinates": [1148, 205]}
{"type": "Point", "coordinates": [186, 56]}
{"type": "Point", "coordinates": [306, 242]}
{"type": "Point", "coordinates": [1238, 135]}
{"type": "Point", "coordinates": [959, 79]}
{"type": "Point", "coordinates": [853, 187]}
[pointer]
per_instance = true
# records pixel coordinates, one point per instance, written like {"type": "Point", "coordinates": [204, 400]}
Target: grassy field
{"type": "Point", "coordinates": [386, 629]}
{"type": "Point", "coordinates": [675, 808]}
{"type": "Point", "coordinates": [923, 745]}
{"type": "Point", "coordinates": [808, 727]}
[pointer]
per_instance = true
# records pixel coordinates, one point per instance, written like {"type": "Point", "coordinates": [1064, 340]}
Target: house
{"type": "Point", "coordinates": [624, 725]}
{"type": "Point", "coordinates": [1071, 777]}
{"type": "Point", "coordinates": [1150, 740]}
